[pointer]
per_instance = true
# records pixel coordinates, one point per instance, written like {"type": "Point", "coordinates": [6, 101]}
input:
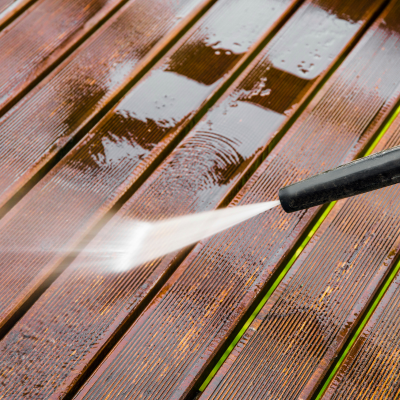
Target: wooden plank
{"type": "Point", "coordinates": [54, 116]}
{"type": "Point", "coordinates": [10, 9]}
{"type": "Point", "coordinates": [85, 185]}
{"type": "Point", "coordinates": [294, 340]}
{"type": "Point", "coordinates": [34, 43]}
{"type": "Point", "coordinates": [371, 368]}
{"type": "Point", "coordinates": [169, 347]}
{"type": "Point", "coordinates": [201, 185]}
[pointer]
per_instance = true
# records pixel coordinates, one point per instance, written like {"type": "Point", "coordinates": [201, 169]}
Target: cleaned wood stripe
{"type": "Point", "coordinates": [76, 194]}
{"type": "Point", "coordinates": [199, 175]}
{"type": "Point", "coordinates": [60, 110]}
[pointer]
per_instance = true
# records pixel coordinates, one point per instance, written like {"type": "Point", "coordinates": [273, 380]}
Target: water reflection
{"type": "Point", "coordinates": [201, 63]}
{"type": "Point", "coordinates": [274, 89]}
{"type": "Point", "coordinates": [219, 44]}
{"type": "Point", "coordinates": [222, 145]}
{"type": "Point", "coordinates": [164, 97]}
{"type": "Point", "coordinates": [240, 25]}
{"type": "Point", "coordinates": [169, 94]}
{"type": "Point", "coordinates": [5, 5]}
{"type": "Point", "coordinates": [100, 68]}
{"type": "Point", "coordinates": [316, 41]}
{"type": "Point", "coordinates": [294, 60]}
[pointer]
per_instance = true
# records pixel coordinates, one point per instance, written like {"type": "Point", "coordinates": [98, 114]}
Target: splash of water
{"type": "Point", "coordinates": [138, 242]}
{"type": "Point", "coordinates": [133, 242]}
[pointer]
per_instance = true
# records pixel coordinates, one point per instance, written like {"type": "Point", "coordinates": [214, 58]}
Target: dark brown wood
{"type": "Point", "coordinates": [167, 349]}
{"type": "Point", "coordinates": [41, 37]}
{"type": "Point", "coordinates": [177, 337]}
{"type": "Point", "coordinates": [371, 367]}
{"type": "Point", "coordinates": [59, 111]}
{"type": "Point", "coordinates": [300, 331]}
{"type": "Point", "coordinates": [116, 153]}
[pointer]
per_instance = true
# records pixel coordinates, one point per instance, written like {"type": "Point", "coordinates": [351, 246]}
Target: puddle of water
{"type": "Point", "coordinates": [162, 97]}
{"type": "Point", "coordinates": [316, 41]}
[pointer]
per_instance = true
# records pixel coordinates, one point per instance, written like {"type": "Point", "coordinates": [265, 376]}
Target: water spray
{"type": "Point", "coordinates": [139, 242]}
{"type": "Point", "coordinates": [136, 242]}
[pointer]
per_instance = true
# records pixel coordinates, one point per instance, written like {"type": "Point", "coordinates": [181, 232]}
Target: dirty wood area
{"type": "Point", "coordinates": [371, 367]}
{"type": "Point", "coordinates": [113, 110]}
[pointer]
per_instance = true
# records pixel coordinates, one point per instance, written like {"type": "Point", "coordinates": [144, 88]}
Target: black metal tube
{"type": "Point", "coordinates": [363, 175]}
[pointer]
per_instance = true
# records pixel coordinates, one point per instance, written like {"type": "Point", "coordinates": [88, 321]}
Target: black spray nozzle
{"type": "Point", "coordinates": [363, 175]}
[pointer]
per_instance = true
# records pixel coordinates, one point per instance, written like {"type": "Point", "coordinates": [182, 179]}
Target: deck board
{"type": "Point", "coordinates": [371, 367]}
{"type": "Point", "coordinates": [83, 187]}
{"type": "Point", "coordinates": [108, 161]}
{"type": "Point", "coordinates": [166, 350]}
{"type": "Point", "coordinates": [130, 121]}
{"type": "Point", "coordinates": [302, 327]}
{"type": "Point", "coordinates": [59, 111]}
{"type": "Point", "coordinates": [10, 9]}
{"type": "Point", "coordinates": [40, 37]}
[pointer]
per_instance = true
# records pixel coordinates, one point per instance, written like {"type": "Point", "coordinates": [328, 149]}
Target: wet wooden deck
{"type": "Point", "coordinates": [120, 109]}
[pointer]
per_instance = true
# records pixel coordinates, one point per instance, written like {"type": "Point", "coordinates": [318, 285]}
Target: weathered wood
{"type": "Point", "coordinates": [85, 185]}
{"type": "Point", "coordinates": [207, 297]}
{"type": "Point", "coordinates": [371, 367]}
{"type": "Point", "coordinates": [56, 114]}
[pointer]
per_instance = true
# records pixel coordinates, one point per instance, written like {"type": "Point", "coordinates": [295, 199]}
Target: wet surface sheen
{"type": "Point", "coordinates": [319, 301]}
{"type": "Point", "coordinates": [40, 36]}
{"type": "Point", "coordinates": [163, 353]}
{"type": "Point", "coordinates": [97, 172]}
{"type": "Point", "coordinates": [165, 350]}
{"type": "Point", "coordinates": [6, 5]}
{"type": "Point", "coordinates": [43, 123]}
{"type": "Point", "coordinates": [222, 144]}
{"type": "Point", "coordinates": [9, 9]}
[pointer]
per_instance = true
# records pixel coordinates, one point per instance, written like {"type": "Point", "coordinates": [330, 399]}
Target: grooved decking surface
{"type": "Point", "coordinates": [55, 113]}
{"type": "Point", "coordinates": [112, 156]}
{"type": "Point", "coordinates": [300, 330]}
{"type": "Point", "coordinates": [41, 36]}
{"type": "Point", "coordinates": [123, 103]}
{"type": "Point", "coordinates": [372, 366]}
{"type": "Point", "coordinates": [91, 178]}
{"type": "Point", "coordinates": [183, 327]}
{"type": "Point", "coordinates": [10, 9]}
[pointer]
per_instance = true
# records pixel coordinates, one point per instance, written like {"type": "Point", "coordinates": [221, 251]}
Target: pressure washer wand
{"type": "Point", "coordinates": [363, 175]}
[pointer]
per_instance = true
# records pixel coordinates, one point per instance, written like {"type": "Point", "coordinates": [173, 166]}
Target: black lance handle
{"type": "Point", "coordinates": [363, 175]}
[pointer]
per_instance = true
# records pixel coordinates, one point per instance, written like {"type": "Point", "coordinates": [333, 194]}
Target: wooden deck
{"type": "Point", "coordinates": [120, 109]}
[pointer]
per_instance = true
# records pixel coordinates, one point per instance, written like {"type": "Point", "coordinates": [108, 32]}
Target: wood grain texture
{"type": "Point", "coordinates": [371, 368]}
{"type": "Point", "coordinates": [303, 326]}
{"type": "Point", "coordinates": [57, 112]}
{"type": "Point", "coordinates": [166, 350]}
{"type": "Point", "coordinates": [40, 37]}
{"type": "Point", "coordinates": [83, 187]}
{"type": "Point", "coordinates": [10, 9]}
